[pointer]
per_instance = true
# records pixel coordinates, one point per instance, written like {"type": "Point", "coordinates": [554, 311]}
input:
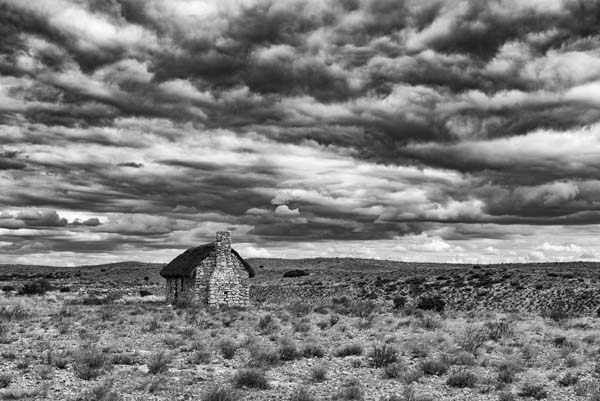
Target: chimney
{"type": "Point", "coordinates": [224, 240]}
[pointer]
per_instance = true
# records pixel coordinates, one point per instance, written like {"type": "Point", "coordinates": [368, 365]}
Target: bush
{"type": "Point", "coordinates": [295, 273]}
{"type": "Point", "coordinates": [89, 362]}
{"type": "Point", "coordinates": [350, 349]}
{"type": "Point", "coordinates": [434, 367]}
{"type": "Point", "coordinates": [399, 302]}
{"type": "Point", "coordinates": [411, 376]}
{"type": "Point", "coordinates": [267, 324]}
{"type": "Point", "coordinates": [301, 394]}
{"type": "Point", "coordinates": [263, 356]}
{"type": "Point", "coordinates": [126, 358]}
{"type": "Point", "coordinates": [431, 302]}
{"type": "Point", "coordinates": [507, 371]}
{"type": "Point", "coordinates": [318, 373]}
{"type": "Point", "coordinates": [37, 287]}
{"type": "Point", "coordinates": [5, 380]}
{"type": "Point", "coordinates": [472, 338]}
{"type": "Point", "coordinates": [159, 362]}
{"type": "Point", "coordinates": [251, 378]}
{"type": "Point", "coordinates": [313, 351]}
{"type": "Point", "coordinates": [462, 378]}
{"type": "Point", "coordinates": [101, 392]}
{"type": "Point", "coordinates": [288, 350]}
{"type": "Point", "coordinates": [220, 394]}
{"type": "Point", "coordinates": [533, 390]}
{"type": "Point", "coordinates": [463, 358]}
{"type": "Point", "coordinates": [228, 348]}
{"type": "Point", "coordinates": [569, 379]}
{"type": "Point", "coordinates": [394, 370]}
{"type": "Point", "coordinates": [351, 391]}
{"type": "Point", "coordinates": [381, 356]}
{"type": "Point", "coordinates": [498, 329]}
{"type": "Point", "coordinates": [506, 396]}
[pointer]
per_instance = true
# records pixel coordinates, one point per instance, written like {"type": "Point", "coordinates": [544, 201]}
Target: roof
{"type": "Point", "coordinates": [184, 264]}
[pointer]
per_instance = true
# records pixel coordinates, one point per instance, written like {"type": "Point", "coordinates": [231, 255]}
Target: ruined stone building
{"type": "Point", "coordinates": [213, 274]}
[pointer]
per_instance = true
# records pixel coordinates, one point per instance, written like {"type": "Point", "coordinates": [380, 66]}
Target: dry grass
{"type": "Point", "coordinates": [111, 345]}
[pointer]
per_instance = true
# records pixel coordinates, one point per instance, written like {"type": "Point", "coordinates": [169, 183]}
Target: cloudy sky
{"type": "Point", "coordinates": [419, 130]}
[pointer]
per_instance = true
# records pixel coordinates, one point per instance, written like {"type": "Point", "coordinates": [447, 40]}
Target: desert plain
{"type": "Point", "coordinates": [338, 329]}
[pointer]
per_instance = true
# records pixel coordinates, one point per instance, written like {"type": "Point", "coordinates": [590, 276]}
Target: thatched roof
{"type": "Point", "coordinates": [184, 264]}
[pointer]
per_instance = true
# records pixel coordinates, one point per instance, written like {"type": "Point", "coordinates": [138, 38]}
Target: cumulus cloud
{"type": "Point", "coordinates": [286, 211]}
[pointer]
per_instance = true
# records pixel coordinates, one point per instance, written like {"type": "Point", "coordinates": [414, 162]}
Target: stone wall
{"type": "Point", "coordinates": [203, 273]}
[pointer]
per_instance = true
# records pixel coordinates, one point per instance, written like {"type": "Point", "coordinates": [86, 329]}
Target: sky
{"type": "Point", "coordinates": [413, 130]}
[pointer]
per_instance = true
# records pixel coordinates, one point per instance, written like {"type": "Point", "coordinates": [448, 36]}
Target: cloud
{"type": "Point", "coordinates": [41, 218]}
{"type": "Point", "coordinates": [452, 129]}
{"type": "Point", "coordinates": [286, 211]}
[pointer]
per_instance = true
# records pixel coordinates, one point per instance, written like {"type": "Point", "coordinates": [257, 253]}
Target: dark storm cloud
{"type": "Point", "coordinates": [131, 164]}
{"type": "Point", "coordinates": [48, 218]}
{"type": "Point", "coordinates": [296, 120]}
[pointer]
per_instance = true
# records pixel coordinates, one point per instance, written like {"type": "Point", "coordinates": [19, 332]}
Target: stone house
{"type": "Point", "coordinates": [212, 274]}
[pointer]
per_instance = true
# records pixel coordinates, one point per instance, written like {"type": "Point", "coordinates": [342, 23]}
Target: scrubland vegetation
{"type": "Point", "coordinates": [71, 346]}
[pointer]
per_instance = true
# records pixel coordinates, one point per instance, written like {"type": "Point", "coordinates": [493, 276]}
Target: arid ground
{"type": "Point", "coordinates": [348, 329]}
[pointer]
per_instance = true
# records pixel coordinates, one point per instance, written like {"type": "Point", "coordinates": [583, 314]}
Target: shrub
{"type": "Point", "coordinates": [89, 362]}
{"type": "Point", "coordinates": [463, 358]}
{"type": "Point", "coordinates": [299, 308]}
{"type": "Point", "coordinates": [461, 378]}
{"type": "Point", "coordinates": [394, 370]}
{"type": "Point", "coordinates": [558, 313]}
{"type": "Point", "coordinates": [302, 326]}
{"type": "Point", "coordinates": [351, 391]}
{"type": "Point", "coordinates": [507, 371]}
{"type": "Point", "coordinates": [434, 367]}
{"type": "Point", "coordinates": [411, 376]}
{"type": "Point", "coordinates": [322, 324]}
{"type": "Point", "coordinates": [431, 302]}
{"type": "Point", "coordinates": [251, 378]}
{"type": "Point", "coordinates": [301, 394]}
{"type": "Point", "coordinates": [498, 329]}
{"type": "Point", "coordinates": [471, 339]}
{"type": "Point", "coordinates": [263, 356]}
{"type": "Point", "coordinates": [228, 348]}
{"type": "Point", "coordinates": [5, 380]}
{"type": "Point", "coordinates": [533, 390]}
{"type": "Point", "coordinates": [159, 362]}
{"type": "Point", "coordinates": [399, 302]}
{"type": "Point", "coordinates": [295, 273]}
{"type": "Point", "coordinates": [429, 322]}
{"type": "Point", "coordinates": [288, 350]}
{"type": "Point", "coordinates": [220, 394]}
{"type": "Point", "coordinates": [267, 324]}
{"type": "Point", "coordinates": [200, 357]}
{"type": "Point", "coordinates": [569, 379]}
{"type": "Point", "coordinates": [13, 312]}
{"type": "Point", "coordinates": [125, 358]}
{"type": "Point", "coordinates": [318, 373]}
{"type": "Point", "coordinates": [37, 287]}
{"type": "Point", "coordinates": [312, 351]}
{"type": "Point", "coordinates": [383, 355]}
{"type": "Point", "coordinates": [506, 396]}
{"type": "Point", "coordinates": [350, 349]}
{"type": "Point", "coordinates": [101, 392]}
